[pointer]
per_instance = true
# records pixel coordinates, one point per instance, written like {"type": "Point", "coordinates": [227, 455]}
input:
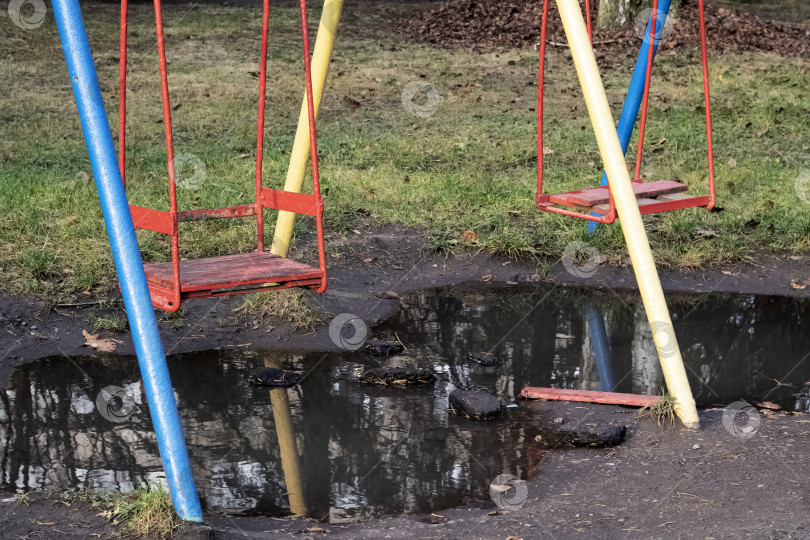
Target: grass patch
{"type": "Point", "coordinates": [470, 166]}
{"type": "Point", "coordinates": [144, 513]}
{"type": "Point", "coordinates": [288, 305]}
{"type": "Point", "coordinates": [662, 411]}
{"type": "Point", "coordinates": [176, 318]}
{"type": "Point", "coordinates": [114, 323]}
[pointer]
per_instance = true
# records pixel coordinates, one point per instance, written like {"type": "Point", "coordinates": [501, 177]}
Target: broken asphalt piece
{"type": "Point", "coordinates": [485, 358]}
{"type": "Point", "coordinates": [267, 376]}
{"type": "Point", "coordinates": [475, 405]}
{"type": "Point", "coordinates": [593, 435]}
{"type": "Point", "coordinates": [379, 347]}
{"type": "Point", "coordinates": [397, 376]}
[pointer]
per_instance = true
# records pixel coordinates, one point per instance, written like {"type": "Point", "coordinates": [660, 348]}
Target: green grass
{"type": "Point", "coordinates": [289, 305]}
{"type": "Point", "coordinates": [470, 166]}
{"type": "Point", "coordinates": [662, 411]}
{"type": "Point", "coordinates": [145, 513]}
{"type": "Point", "coordinates": [109, 321]}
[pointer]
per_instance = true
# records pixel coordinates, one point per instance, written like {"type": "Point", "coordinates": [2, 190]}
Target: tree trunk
{"type": "Point", "coordinates": [615, 13]}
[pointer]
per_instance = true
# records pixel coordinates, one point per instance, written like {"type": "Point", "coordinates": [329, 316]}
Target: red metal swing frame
{"type": "Point", "coordinates": [653, 197]}
{"type": "Point", "coordinates": [172, 282]}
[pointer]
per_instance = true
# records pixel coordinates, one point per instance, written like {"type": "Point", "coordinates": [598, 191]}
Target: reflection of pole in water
{"type": "Point", "coordinates": [647, 376]}
{"type": "Point", "coordinates": [290, 460]}
{"type": "Point", "coordinates": [601, 348]}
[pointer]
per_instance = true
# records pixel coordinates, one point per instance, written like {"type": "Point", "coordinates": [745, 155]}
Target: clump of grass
{"type": "Point", "coordinates": [662, 411]}
{"type": "Point", "coordinates": [287, 305]}
{"type": "Point", "coordinates": [176, 318]}
{"type": "Point", "coordinates": [113, 323]}
{"type": "Point", "coordinates": [144, 513]}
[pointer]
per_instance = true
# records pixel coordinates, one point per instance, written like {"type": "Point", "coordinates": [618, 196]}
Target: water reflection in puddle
{"type": "Point", "coordinates": [333, 448]}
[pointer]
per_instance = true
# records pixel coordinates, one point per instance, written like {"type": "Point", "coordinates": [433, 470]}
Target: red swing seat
{"type": "Point", "coordinates": [170, 283]}
{"type": "Point", "coordinates": [596, 203]}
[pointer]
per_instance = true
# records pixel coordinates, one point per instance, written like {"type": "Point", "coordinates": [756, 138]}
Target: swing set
{"type": "Point", "coordinates": [596, 204]}
{"type": "Point", "coordinates": [172, 282]}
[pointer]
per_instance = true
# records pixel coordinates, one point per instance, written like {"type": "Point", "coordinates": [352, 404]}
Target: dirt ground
{"type": "Point", "coordinates": [660, 483]}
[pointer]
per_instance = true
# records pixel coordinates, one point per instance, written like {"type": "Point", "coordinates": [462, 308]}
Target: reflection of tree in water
{"type": "Point", "coordinates": [51, 441]}
{"type": "Point", "coordinates": [362, 453]}
{"type": "Point", "coordinates": [55, 439]}
{"type": "Point", "coordinates": [733, 345]}
{"type": "Point", "coordinates": [370, 450]}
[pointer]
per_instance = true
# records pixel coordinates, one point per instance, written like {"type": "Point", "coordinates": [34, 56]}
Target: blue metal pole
{"type": "Point", "coordinates": [627, 121]}
{"type": "Point", "coordinates": [128, 263]}
{"type": "Point", "coordinates": [601, 348]}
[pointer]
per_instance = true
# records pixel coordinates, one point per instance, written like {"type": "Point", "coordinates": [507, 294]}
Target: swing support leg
{"type": "Point", "coordinates": [330, 16]}
{"type": "Point", "coordinates": [621, 189]}
{"type": "Point", "coordinates": [128, 263]}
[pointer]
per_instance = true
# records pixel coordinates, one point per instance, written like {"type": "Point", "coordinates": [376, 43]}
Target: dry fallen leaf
{"type": "Point", "coordinates": [487, 277]}
{"type": "Point", "coordinates": [388, 295]}
{"type": "Point", "coordinates": [769, 405]}
{"type": "Point", "coordinates": [707, 233]}
{"type": "Point", "coordinates": [368, 260]}
{"type": "Point", "coordinates": [796, 285]}
{"type": "Point", "coordinates": [101, 345]}
{"type": "Point", "coordinates": [547, 151]}
{"type": "Point", "coordinates": [468, 236]}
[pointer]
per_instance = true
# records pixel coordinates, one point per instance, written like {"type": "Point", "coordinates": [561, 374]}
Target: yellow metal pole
{"type": "Point", "coordinates": [630, 217]}
{"type": "Point", "coordinates": [300, 151]}
{"type": "Point", "coordinates": [290, 460]}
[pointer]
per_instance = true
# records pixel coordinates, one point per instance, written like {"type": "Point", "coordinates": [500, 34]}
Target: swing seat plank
{"type": "Point", "coordinates": [600, 195]}
{"type": "Point", "coordinates": [230, 271]}
{"type": "Point", "coordinates": [589, 396]}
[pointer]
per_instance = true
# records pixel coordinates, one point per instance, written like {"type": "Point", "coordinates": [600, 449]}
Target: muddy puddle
{"type": "Point", "coordinates": [331, 448]}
